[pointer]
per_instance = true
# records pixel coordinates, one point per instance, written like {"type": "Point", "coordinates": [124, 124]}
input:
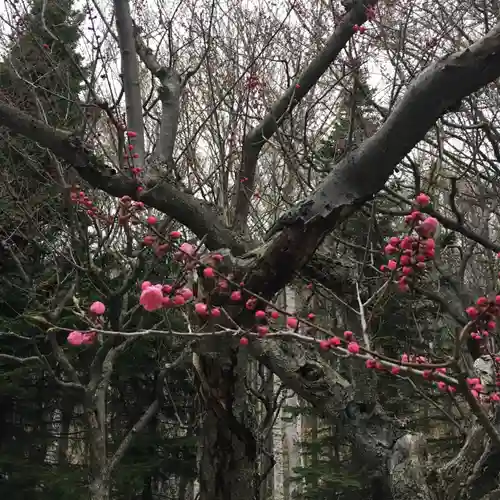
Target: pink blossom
{"type": "Point", "coordinates": [201, 309]}
{"type": "Point", "coordinates": [392, 265]}
{"type": "Point", "coordinates": [428, 227]}
{"type": "Point", "coordinates": [353, 347]}
{"type": "Point", "coordinates": [472, 312]}
{"type": "Point", "coordinates": [292, 323]}
{"type": "Point", "coordinates": [407, 243]}
{"type": "Point", "coordinates": [405, 260]}
{"type": "Point", "coordinates": [187, 293]}
{"type": "Point", "coordinates": [473, 381]}
{"type": "Point", "coordinates": [251, 304]}
{"type": "Point", "coordinates": [179, 300]}
{"type": "Point", "coordinates": [151, 298]}
{"type": "Point", "coordinates": [324, 345]}
{"type": "Point", "coordinates": [88, 338]}
{"type": "Point", "coordinates": [422, 199]}
{"type": "Point", "coordinates": [188, 249]}
{"type": "Point", "coordinates": [403, 285]}
{"type": "Point", "coordinates": [145, 284]}
{"type": "Point", "coordinates": [407, 271]}
{"type": "Point", "coordinates": [75, 338]}
{"type": "Point", "coordinates": [482, 301]}
{"type": "Point", "coordinates": [390, 249]}
{"type": "Point", "coordinates": [430, 244]}
{"type": "Point", "coordinates": [208, 272]}
{"type": "Point", "coordinates": [97, 308]}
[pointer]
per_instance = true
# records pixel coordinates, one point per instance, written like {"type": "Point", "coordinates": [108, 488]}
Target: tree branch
{"type": "Point", "coordinates": [127, 440]}
{"type": "Point", "coordinates": [361, 174]}
{"type": "Point", "coordinates": [130, 75]}
{"type": "Point", "coordinates": [258, 136]}
{"type": "Point", "coordinates": [170, 94]}
{"type": "Point", "coordinates": [188, 210]}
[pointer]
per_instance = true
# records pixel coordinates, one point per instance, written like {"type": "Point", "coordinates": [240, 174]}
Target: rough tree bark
{"type": "Point", "coordinates": [386, 446]}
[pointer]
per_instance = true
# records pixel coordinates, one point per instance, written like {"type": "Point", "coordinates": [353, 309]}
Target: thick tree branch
{"type": "Point", "coordinates": [130, 75]}
{"type": "Point", "coordinates": [127, 440]}
{"type": "Point", "coordinates": [303, 371]}
{"type": "Point", "coordinates": [63, 360]}
{"type": "Point", "coordinates": [257, 137]}
{"type": "Point", "coordinates": [407, 469]}
{"type": "Point", "coordinates": [187, 209]}
{"type": "Point", "coordinates": [359, 176]}
{"type": "Point", "coordinates": [170, 94]}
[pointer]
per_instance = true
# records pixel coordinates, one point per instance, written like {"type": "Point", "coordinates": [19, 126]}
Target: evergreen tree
{"type": "Point", "coordinates": [42, 74]}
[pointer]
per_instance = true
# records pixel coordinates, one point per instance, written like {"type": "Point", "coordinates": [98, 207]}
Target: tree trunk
{"type": "Point", "coordinates": [99, 489]}
{"type": "Point", "coordinates": [227, 469]}
{"type": "Point", "coordinates": [277, 449]}
{"type": "Point", "coordinates": [228, 465]}
{"type": "Point", "coordinates": [100, 483]}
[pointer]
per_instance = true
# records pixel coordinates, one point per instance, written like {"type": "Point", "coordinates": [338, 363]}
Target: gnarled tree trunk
{"type": "Point", "coordinates": [228, 465]}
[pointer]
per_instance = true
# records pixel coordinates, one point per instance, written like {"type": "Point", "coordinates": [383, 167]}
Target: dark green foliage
{"type": "Point", "coordinates": [45, 83]}
{"type": "Point", "coordinates": [43, 75]}
{"type": "Point", "coordinates": [324, 475]}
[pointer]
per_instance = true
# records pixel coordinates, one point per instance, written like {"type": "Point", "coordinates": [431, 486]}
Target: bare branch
{"type": "Point", "coordinates": [355, 180]}
{"type": "Point", "coordinates": [258, 136]}
{"type": "Point", "coordinates": [63, 360]}
{"type": "Point", "coordinates": [127, 440]}
{"type": "Point", "coordinates": [22, 361]}
{"type": "Point", "coordinates": [130, 72]}
{"type": "Point", "coordinates": [187, 209]}
{"type": "Point", "coordinates": [170, 93]}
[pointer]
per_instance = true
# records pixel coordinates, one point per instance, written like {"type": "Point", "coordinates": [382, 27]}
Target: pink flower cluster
{"type": "Point", "coordinates": [80, 338]}
{"type": "Point", "coordinates": [412, 252]}
{"type": "Point", "coordinates": [154, 297]}
{"type": "Point", "coordinates": [352, 346]}
{"type": "Point", "coordinates": [76, 337]}
{"type": "Point", "coordinates": [484, 315]}
{"type": "Point", "coordinates": [80, 198]}
{"type": "Point", "coordinates": [130, 156]}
